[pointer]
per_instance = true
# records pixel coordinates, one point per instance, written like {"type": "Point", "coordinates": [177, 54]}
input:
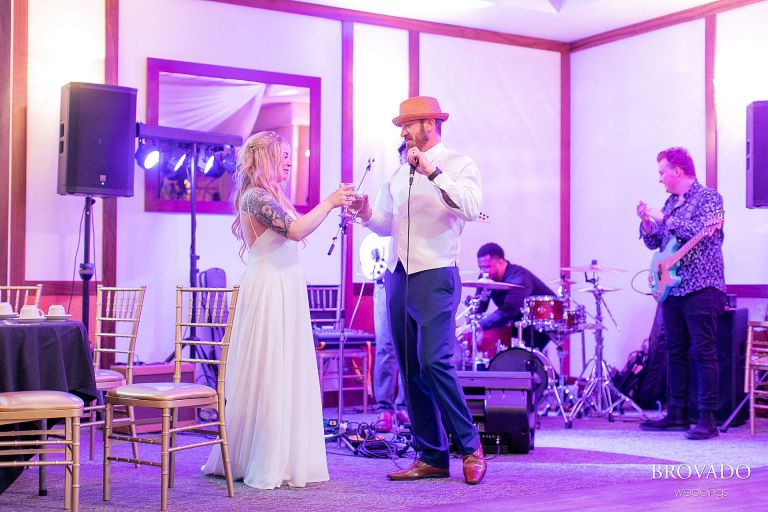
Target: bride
{"type": "Point", "coordinates": [273, 409]}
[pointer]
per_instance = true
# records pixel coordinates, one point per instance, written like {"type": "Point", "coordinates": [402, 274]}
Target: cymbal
{"type": "Point", "coordinates": [489, 284]}
{"type": "Point", "coordinates": [593, 267]}
{"type": "Point", "coordinates": [563, 281]}
{"type": "Point", "coordinates": [603, 289]}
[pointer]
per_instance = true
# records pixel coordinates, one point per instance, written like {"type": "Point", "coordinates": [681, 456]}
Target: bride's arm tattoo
{"type": "Point", "coordinates": [267, 210]}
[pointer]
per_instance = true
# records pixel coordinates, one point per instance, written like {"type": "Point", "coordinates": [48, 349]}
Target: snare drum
{"type": "Point", "coordinates": [522, 359]}
{"type": "Point", "coordinates": [544, 312]}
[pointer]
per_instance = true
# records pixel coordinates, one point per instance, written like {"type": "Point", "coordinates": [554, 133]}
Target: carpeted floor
{"type": "Point", "coordinates": [596, 465]}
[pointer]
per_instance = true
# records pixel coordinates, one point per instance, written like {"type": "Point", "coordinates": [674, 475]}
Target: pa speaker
{"type": "Point", "coordinates": [731, 351]}
{"type": "Point", "coordinates": [96, 140]}
{"type": "Point", "coordinates": [757, 154]}
{"type": "Point", "coordinates": [503, 408]}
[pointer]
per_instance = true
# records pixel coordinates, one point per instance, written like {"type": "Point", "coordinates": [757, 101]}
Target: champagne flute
{"type": "Point", "coordinates": [345, 208]}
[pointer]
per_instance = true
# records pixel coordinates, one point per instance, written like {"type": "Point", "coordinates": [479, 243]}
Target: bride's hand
{"type": "Point", "coordinates": [342, 196]}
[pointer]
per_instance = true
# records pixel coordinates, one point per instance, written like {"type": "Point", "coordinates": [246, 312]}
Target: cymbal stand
{"type": "Point", "coordinates": [600, 395]}
{"type": "Point", "coordinates": [584, 363]}
{"type": "Point", "coordinates": [563, 289]}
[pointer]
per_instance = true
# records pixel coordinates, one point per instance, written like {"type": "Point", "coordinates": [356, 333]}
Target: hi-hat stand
{"type": "Point", "coordinates": [600, 396]}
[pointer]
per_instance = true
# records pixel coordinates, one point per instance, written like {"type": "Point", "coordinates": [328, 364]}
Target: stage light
{"type": "Point", "coordinates": [213, 167]}
{"type": "Point", "coordinates": [175, 163]}
{"type": "Point", "coordinates": [147, 156]}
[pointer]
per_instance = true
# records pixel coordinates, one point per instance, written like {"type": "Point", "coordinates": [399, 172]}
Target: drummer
{"type": "Point", "coordinates": [491, 261]}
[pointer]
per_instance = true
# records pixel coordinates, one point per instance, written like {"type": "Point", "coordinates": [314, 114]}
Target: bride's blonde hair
{"type": "Point", "coordinates": [259, 165]}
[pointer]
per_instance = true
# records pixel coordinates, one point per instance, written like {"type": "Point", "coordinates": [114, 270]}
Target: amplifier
{"type": "Point", "coordinates": [502, 407]}
{"type": "Point", "coordinates": [731, 350]}
{"type": "Point", "coordinates": [329, 338]}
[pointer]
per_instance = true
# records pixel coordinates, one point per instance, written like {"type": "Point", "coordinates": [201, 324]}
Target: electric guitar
{"type": "Point", "coordinates": [664, 264]}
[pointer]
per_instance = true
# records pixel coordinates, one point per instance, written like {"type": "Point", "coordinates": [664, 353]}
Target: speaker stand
{"type": "Point", "coordinates": [86, 267]}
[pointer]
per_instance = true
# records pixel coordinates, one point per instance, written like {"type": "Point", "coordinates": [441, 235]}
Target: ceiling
{"type": "Point", "coordinates": [560, 20]}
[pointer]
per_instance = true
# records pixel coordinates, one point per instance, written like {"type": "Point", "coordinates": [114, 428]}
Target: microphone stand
{"type": "Point", "coordinates": [345, 219]}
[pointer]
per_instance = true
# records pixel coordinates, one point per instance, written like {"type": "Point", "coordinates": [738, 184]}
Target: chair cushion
{"type": "Point", "coordinates": [38, 400]}
{"type": "Point", "coordinates": [108, 376]}
{"type": "Point", "coordinates": [163, 391]}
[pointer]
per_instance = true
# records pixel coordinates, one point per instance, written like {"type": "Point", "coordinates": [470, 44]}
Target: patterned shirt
{"type": "Point", "coordinates": [702, 267]}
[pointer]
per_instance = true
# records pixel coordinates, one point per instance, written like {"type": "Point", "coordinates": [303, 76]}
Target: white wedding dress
{"type": "Point", "coordinates": [273, 410]}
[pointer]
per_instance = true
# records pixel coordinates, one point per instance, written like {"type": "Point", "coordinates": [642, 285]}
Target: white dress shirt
{"type": "Point", "coordinates": [435, 225]}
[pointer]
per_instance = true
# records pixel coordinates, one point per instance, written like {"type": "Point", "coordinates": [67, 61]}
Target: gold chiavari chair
{"type": "Point", "coordinates": [118, 311]}
{"type": "Point", "coordinates": [20, 296]}
{"type": "Point", "coordinates": [40, 406]}
{"type": "Point", "coordinates": [756, 369]}
{"type": "Point", "coordinates": [197, 310]}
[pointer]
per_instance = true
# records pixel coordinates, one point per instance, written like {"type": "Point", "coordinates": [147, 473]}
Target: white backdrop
{"type": "Point", "coordinates": [504, 106]}
{"type": "Point", "coordinates": [381, 83]}
{"type": "Point", "coordinates": [66, 44]}
{"type": "Point", "coordinates": [630, 99]}
{"type": "Point", "coordinates": [153, 248]}
{"type": "Point", "coordinates": [741, 77]}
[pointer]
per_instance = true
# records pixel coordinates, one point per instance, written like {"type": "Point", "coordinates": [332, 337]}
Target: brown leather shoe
{"type": "Point", "coordinates": [419, 470]}
{"type": "Point", "coordinates": [474, 467]}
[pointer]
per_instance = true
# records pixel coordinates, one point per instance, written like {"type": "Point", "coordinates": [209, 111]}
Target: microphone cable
{"type": "Point", "coordinates": [407, 278]}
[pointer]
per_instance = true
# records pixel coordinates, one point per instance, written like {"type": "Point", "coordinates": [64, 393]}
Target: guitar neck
{"type": "Point", "coordinates": [687, 246]}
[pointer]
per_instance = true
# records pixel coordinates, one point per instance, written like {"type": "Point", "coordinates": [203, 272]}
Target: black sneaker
{"type": "Point", "coordinates": [675, 420]}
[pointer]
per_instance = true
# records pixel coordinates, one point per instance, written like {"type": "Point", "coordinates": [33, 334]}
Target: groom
{"type": "Point", "coordinates": [440, 190]}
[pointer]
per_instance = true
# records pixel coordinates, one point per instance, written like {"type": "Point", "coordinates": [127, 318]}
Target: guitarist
{"type": "Point", "coordinates": [692, 308]}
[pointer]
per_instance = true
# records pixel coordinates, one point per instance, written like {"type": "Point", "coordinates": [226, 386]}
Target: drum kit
{"type": "Point", "coordinates": [559, 316]}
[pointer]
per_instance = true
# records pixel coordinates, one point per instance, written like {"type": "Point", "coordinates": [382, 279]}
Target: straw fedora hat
{"type": "Point", "coordinates": [419, 107]}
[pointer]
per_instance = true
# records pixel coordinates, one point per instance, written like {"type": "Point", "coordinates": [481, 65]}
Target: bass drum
{"type": "Point", "coordinates": [523, 359]}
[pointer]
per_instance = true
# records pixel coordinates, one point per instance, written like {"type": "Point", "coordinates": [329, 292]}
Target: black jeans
{"type": "Point", "coordinates": [690, 321]}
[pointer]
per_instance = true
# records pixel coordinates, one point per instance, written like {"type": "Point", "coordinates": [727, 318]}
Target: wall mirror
{"type": "Point", "coordinates": [236, 101]}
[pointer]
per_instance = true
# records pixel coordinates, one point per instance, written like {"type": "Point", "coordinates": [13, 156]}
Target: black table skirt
{"type": "Point", "coordinates": [44, 356]}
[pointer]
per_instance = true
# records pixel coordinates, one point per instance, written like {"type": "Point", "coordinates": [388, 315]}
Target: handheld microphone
{"type": "Point", "coordinates": [413, 170]}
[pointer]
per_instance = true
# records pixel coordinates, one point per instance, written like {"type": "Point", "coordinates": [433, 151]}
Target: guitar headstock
{"type": "Point", "coordinates": [484, 218]}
